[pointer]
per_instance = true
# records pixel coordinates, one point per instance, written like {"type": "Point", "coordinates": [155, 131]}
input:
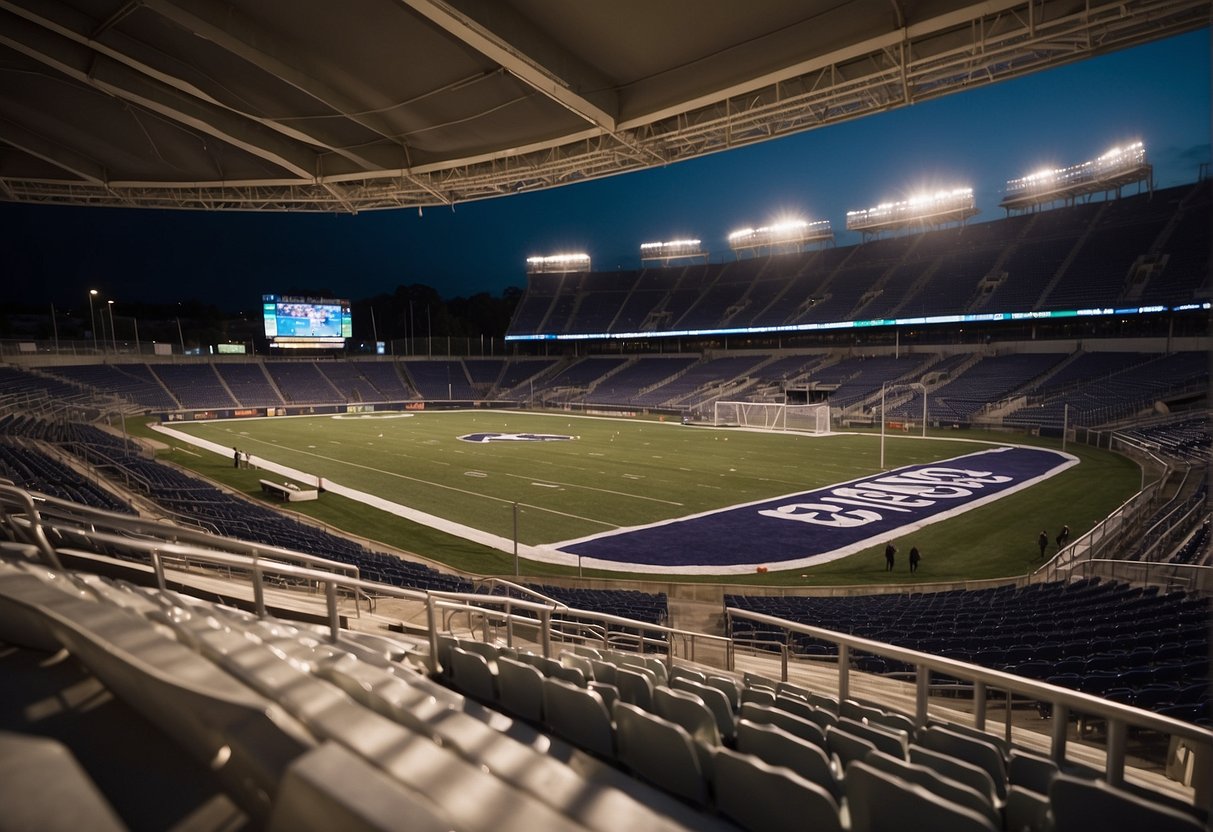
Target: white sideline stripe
{"type": "Point", "coordinates": [484, 538]}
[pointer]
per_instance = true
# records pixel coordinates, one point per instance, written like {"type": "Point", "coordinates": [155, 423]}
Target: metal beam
{"type": "Point", "coordinates": [361, 159]}
{"type": "Point", "coordinates": [15, 130]}
{"type": "Point", "coordinates": [227, 29]}
{"type": "Point", "coordinates": [528, 68]}
{"type": "Point", "coordinates": [119, 81]}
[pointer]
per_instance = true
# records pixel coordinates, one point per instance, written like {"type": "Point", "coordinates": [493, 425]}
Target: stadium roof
{"type": "Point", "coordinates": [366, 104]}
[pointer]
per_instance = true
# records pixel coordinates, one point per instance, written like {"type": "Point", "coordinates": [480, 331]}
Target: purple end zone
{"type": "Point", "coordinates": [824, 523]}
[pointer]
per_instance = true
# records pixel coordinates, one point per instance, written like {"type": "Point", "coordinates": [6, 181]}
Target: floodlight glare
{"type": "Point", "coordinates": [784, 233]}
{"type": "Point", "coordinates": [1121, 165]}
{"type": "Point", "coordinates": [925, 208]}
{"type": "Point", "coordinates": [558, 263]}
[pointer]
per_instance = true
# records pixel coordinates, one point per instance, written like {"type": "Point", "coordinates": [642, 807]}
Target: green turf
{"type": "Point", "coordinates": [623, 473]}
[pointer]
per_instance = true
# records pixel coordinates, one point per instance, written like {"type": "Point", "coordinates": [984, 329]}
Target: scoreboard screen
{"type": "Point", "coordinates": [306, 323]}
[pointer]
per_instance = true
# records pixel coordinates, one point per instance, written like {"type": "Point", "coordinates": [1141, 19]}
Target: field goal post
{"type": "Point", "coordinates": [806, 418]}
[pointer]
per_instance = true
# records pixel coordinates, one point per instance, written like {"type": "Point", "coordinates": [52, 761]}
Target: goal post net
{"type": "Point", "coordinates": [806, 418]}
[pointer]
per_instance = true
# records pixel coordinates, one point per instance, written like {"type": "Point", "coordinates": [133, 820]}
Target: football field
{"type": "Point", "coordinates": [597, 487]}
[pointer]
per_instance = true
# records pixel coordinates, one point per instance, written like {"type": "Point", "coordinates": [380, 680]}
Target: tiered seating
{"type": "Point", "coordinates": [1101, 400]}
{"type": "Point", "coordinates": [716, 372]}
{"type": "Point", "coordinates": [520, 371]}
{"type": "Point", "coordinates": [1186, 438]}
{"type": "Point", "coordinates": [584, 373]}
{"type": "Point", "coordinates": [858, 378]}
{"type": "Point", "coordinates": [301, 382]}
{"type": "Point", "coordinates": [1129, 644]}
{"type": "Point", "coordinates": [348, 380]}
{"type": "Point", "coordinates": [383, 377]}
{"type": "Point", "coordinates": [207, 507]}
{"type": "Point", "coordinates": [131, 381]}
{"type": "Point", "coordinates": [440, 379]}
{"type": "Point", "coordinates": [987, 381]}
{"type": "Point", "coordinates": [1007, 265]}
{"type": "Point", "coordinates": [196, 386]}
{"type": "Point", "coordinates": [625, 386]}
{"type": "Point", "coordinates": [249, 385]}
{"type": "Point", "coordinates": [30, 468]}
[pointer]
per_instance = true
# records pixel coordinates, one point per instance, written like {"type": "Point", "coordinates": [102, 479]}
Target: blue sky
{"type": "Point", "coordinates": [1159, 93]}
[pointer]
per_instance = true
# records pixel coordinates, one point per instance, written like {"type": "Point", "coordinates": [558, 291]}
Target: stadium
{"type": "Point", "coordinates": [906, 526]}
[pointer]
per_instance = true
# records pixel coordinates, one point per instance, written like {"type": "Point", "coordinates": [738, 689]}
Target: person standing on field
{"type": "Point", "coordinates": [889, 551]}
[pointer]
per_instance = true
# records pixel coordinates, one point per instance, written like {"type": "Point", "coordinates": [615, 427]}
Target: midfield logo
{"type": "Point", "coordinates": [514, 437]}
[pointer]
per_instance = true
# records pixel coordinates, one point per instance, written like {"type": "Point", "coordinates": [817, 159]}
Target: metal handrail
{"type": "Point", "coordinates": [1119, 717]}
{"type": "Point", "coordinates": [494, 581]}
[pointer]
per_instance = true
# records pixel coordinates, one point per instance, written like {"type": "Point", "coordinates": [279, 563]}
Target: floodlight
{"type": "Point", "coordinates": [924, 208]}
{"type": "Point", "coordinates": [578, 262]}
{"type": "Point", "coordinates": [672, 250]}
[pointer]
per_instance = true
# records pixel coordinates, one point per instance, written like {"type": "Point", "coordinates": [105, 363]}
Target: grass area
{"type": "Point", "coordinates": [619, 473]}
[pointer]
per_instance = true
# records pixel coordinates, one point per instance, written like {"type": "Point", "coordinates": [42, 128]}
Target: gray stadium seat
{"type": "Point", "coordinates": [715, 699]}
{"type": "Point", "coordinates": [680, 672]}
{"type": "Point", "coordinates": [848, 747]}
{"type": "Point", "coordinates": [520, 689]}
{"type": "Point", "coordinates": [1092, 804]}
{"type": "Point", "coordinates": [879, 801]}
{"type": "Point", "coordinates": [659, 751]}
{"type": "Point", "coordinates": [635, 687]}
{"type": "Point", "coordinates": [963, 772]}
{"type": "Point", "coordinates": [759, 796]}
{"type": "Point", "coordinates": [888, 740]}
{"type": "Point", "coordinates": [1030, 771]}
{"type": "Point", "coordinates": [797, 726]}
{"type": "Point", "coordinates": [779, 748]}
{"type": "Point", "coordinates": [937, 784]}
{"type": "Point", "coordinates": [985, 755]}
{"type": "Point", "coordinates": [579, 716]}
{"type": "Point", "coordinates": [471, 674]}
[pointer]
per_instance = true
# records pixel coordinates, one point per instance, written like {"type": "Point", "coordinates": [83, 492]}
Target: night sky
{"type": "Point", "coordinates": [1159, 93]}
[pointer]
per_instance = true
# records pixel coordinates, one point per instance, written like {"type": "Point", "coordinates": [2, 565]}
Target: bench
{"type": "Point", "coordinates": [288, 492]}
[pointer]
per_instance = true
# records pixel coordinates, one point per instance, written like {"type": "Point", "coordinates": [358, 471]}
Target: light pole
{"type": "Point", "coordinates": [113, 335]}
{"type": "Point", "coordinates": [92, 319]}
{"type": "Point", "coordinates": [882, 387]}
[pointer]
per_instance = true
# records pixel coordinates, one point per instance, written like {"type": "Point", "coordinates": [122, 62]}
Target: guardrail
{"type": "Point", "coordinates": [1171, 576]}
{"type": "Point", "coordinates": [1119, 718]}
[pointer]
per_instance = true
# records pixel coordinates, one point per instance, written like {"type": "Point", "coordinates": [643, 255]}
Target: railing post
{"type": "Point", "coordinates": [979, 706]}
{"type": "Point", "coordinates": [258, 589]}
{"type": "Point", "coordinates": [1061, 726]}
{"type": "Point", "coordinates": [922, 689]}
{"type": "Point", "coordinates": [158, 565]}
{"type": "Point", "coordinates": [330, 599]}
{"type": "Point", "coordinates": [509, 624]}
{"type": "Point", "coordinates": [1114, 771]}
{"type": "Point", "coordinates": [844, 681]}
{"type": "Point", "coordinates": [435, 665]}
{"type": "Point", "coordinates": [783, 662]}
{"type": "Point", "coordinates": [545, 632]}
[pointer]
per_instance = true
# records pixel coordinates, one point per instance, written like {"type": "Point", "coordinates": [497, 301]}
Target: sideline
{"type": "Point", "coordinates": [467, 532]}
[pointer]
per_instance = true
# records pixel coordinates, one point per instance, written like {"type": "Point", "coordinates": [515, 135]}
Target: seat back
{"type": "Point", "coordinates": [635, 687]}
{"type": "Point", "coordinates": [1031, 772]}
{"type": "Point", "coordinates": [879, 801]}
{"type": "Point", "coordinates": [471, 674]}
{"type": "Point", "coordinates": [777, 747]}
{"type": "Point", "coordinates": [936, 784]}
{"type": "Point", "coordinates": [760, 796]}
{"type": "Point", "coordinates": [715, 699]}
{"type": "Point", "coordinates": [689, 711]}
{"type": "Point", "coordinates": [520, 689]}
{"type": "Point", "coordinates": [848, 747]}
{"type": "Point", "coordinates": [791, 723]}
{"type": "Point", "coordinates": [659, 751]}
{"type": "Point", "coordinates": [729, 687]}
{"type": "Point", "coordinates": [582, 663]}
{"type": "Point", "coordinates": [888, 740]}
{"type": "Point", "coordinates": [680, 672]}
{"type": "Point", "coordinates": [579, 716]}
{"type": "Point", "coordinates": [1093, 804]}
{"type": "Point", "coordinates": [603, 671]}
{"type": "Point", "coordinates": [984, 755]}
{"type": "Point", "coordinates": [958, 770]}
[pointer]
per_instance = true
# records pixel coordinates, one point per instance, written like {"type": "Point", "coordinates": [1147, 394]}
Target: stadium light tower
{"type": "Point", "coordinates": [920, 210]}
{"type": "Point", "coordinates": [672, 250]}
{"type": "Point", "coordinates": [92, 318]}
{"type": "Point", "coordinates": [1110, 172]}
{"type": "Point", "coordinates": [113, 334]}
{"type": "Point", "coordinates": [558, 263]}
{"type": "Point", "coordinates": [786, 234]}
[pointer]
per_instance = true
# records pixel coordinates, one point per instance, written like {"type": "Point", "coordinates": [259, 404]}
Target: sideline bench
{"type": "Point", "coordinates": [288, 492]}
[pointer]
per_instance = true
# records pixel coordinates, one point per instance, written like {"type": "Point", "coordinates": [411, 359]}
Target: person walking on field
{"type": "Point", "coordinates": [235, 457]}
{"type": "Point", "coordinates": [1063, 536]}
{"type": "Point", "coordinates": [1044, 543]}
{"type": "Point", "coordinates": [889, 551]}
{"type": "Point", "coordinates": [915, 557]}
